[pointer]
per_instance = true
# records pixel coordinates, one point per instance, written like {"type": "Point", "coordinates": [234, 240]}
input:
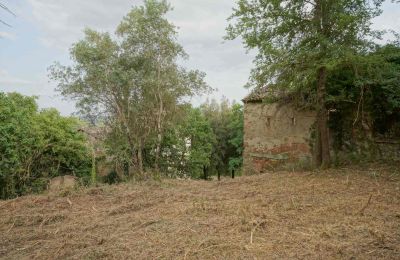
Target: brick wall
{"type": "Point", "coordinates": [274, 134]}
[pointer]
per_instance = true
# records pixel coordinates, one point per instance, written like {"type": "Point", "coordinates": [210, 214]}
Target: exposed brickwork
{"type": "Point", "coordinates": [275, 135]}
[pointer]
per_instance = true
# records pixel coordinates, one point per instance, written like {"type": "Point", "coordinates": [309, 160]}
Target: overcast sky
{"type": "Point", "coordinates": [43, 31]}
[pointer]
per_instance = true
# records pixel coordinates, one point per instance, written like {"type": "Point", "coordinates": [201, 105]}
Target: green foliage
{"type": "Point", "coordinates": [133, 81]}
{"type": "Point", "coordinates": [366, 97]}
{"type": "Point", "coordinates": [300, 43]}
{"type": "Point", "coordinates": [37, 145]}
{"type": "Point", "coordinates": [295, 38]}
{"type": "Point", "coordinates": [236, 137]}
{"type": "Point", "coordinates": [93, 173]}
{"type": "Point", "coordinates": [210, 136]}
{"type": "Point", "coordinates": [226, 121]}
{"type": "Point", "coordinates": [199, 135]}
{"type": "Point", "coordinates": [187, 146]}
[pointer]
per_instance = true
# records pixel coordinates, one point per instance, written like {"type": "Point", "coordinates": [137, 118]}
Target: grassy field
{"type": "Point", "coordinates": [348, 213]}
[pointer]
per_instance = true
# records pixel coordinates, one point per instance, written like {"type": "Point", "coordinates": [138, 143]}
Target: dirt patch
{"type": "Point", "coordinates": [348, 213]}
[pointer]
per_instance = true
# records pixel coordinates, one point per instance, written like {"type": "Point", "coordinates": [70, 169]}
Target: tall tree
{"type": "Point", "coordinates": [148, 35]}
{"type": "Point", "coordinates": [299, 42]}
{"type": "Point", "coordinates": [226, 121]}
{"type": "Point", "coordinates": [366, 101]}
{"type": "Point", "coordinates": [199, 134]}
{"type": "Point", "coordinates": [134, 81]}
{"type": "Point", "coordinates": [236, 137]}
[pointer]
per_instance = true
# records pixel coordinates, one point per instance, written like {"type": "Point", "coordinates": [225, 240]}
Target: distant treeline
{"type": "Point", "coordinates": [37, 145]}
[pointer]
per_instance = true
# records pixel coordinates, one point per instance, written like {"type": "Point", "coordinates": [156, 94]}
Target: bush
{"type": "Point", "coordinates": [36, 146]}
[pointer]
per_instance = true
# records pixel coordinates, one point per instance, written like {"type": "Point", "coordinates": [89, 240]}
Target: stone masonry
{"type": "Point", "coordinates": [274, 134]}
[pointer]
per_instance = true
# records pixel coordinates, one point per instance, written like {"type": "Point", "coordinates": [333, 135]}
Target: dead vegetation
{"type": "Point", "coordinates": [346, 213]}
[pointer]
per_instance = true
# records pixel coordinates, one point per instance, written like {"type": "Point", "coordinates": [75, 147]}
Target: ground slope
{"type": "Point", "coordinates": [346, 213]}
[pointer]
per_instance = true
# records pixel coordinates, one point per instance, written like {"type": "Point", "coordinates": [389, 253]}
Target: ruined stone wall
{"type": "Point", "coordinates": [275, 134]}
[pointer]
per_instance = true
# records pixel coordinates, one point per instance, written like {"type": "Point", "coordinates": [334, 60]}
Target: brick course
{"type": "Point", "coordinates": [275, 134]}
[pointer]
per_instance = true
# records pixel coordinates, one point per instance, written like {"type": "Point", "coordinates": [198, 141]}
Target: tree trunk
{"type": "Point", "coordinates": [140, 158]}
{"type": "Point", "coordinates": [93, 171]}
{"type": "Point", "coordinates": [159, 116]}
{"type": "Point", "coordinates": [123, 119]}
{"type": "Point", "coordinates": [159, 133]}
{"type": "Point", "coordinates": [317, 147]}
{"type": "Point", "coordinates": [322, 150]}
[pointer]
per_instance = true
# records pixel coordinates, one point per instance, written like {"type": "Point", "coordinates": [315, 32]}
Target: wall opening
{"type": "Point", "coordinates": [268, 123]}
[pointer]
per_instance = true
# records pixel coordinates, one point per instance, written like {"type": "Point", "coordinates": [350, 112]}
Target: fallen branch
{"type": "Point", "coordinates": [43, 222]}
{"type": "Point", "coordinates": [146, 224]}
{"type": "Point", "coordinates": [254, 230]}
{"type": "Point", "coordinates": [361, 212]}
{"type": "Point", "coordinates": [294, 204]}
{"type": "Point", "coordinates": [13, 224]}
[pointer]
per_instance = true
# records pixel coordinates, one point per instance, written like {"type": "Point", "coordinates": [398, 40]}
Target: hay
{"type": "Point", "coordinates": [342, 213]}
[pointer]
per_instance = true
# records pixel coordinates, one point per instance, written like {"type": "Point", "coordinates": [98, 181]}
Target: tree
{"type": "Point", "coordinates": [37, 145]}
{"type": "Point", "coordinates": [367, 100]}
{"type": "Point", "coordinates": [17, 143]}
{"type": "Point", "coordinates": [198, 132]}
{"type": "Point", "coordinates": [207, 138]}
{"type": "Point", "coordinates": [236, 137]}
{"type": "Point", "coordinates": [299, 42]}
{"type": "Point", "coordinates": [218, 115]}
{"type": "Point", "coordinates": [133, 81]}
{"type": "Point", "coordinates": [148, 35]}
{"type": "Point", "coordinates": [226, 121]}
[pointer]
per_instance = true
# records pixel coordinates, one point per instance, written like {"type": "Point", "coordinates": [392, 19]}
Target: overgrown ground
{"type": "Point", "coordinates": [348, 213]}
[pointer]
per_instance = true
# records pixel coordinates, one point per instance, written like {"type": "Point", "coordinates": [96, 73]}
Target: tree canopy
{"type": "Point", "coordinates": [299, 42]}
{"type": "Point", "coordinates": [37, 145]}
{"type": "Point", "coordinates": [132, 80]}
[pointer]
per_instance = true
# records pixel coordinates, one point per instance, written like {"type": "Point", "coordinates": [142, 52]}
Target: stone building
{"type": "Point", "coordinates": [274, 133]}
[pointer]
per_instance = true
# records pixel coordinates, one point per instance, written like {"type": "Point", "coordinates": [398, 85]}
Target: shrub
{"type": "Point", "coordinates": [36, 146]}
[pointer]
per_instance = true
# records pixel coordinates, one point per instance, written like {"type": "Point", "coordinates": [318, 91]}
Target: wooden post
{"type": "Point", "coordinates": [233, 174]}
{"type": "Point", "coordinates": [219, 176]}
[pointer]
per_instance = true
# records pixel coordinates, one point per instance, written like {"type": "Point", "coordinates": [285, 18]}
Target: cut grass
{"type": "Point", "coordinates": [342, 213]}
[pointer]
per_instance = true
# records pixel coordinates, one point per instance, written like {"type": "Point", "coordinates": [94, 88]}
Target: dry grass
{"type": "Point", "coordinates": [347, 213]}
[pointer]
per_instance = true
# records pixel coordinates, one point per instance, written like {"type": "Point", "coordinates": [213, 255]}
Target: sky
{"type": "Point", "coordinates": [43, 31]}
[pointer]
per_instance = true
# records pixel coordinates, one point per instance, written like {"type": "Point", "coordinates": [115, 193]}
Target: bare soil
{"type": "Point", "coordinates": [348, 213]}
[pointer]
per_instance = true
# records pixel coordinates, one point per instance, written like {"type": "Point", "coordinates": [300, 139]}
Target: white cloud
{"type": "Point", "coordinates": [201, 26]}
{"type": "Point", "coordinates": [8, 36]}
{"type": "Point", "coordinates": [7, 79]}
{"type": "Point", "coordinates": [389, 20]}
{"type": "Point", "coordinates": [48, 101]}
{"type": "Point", "coordinates": [62, 22]}
{"type": "Point", "coordinates": [43, 90]}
